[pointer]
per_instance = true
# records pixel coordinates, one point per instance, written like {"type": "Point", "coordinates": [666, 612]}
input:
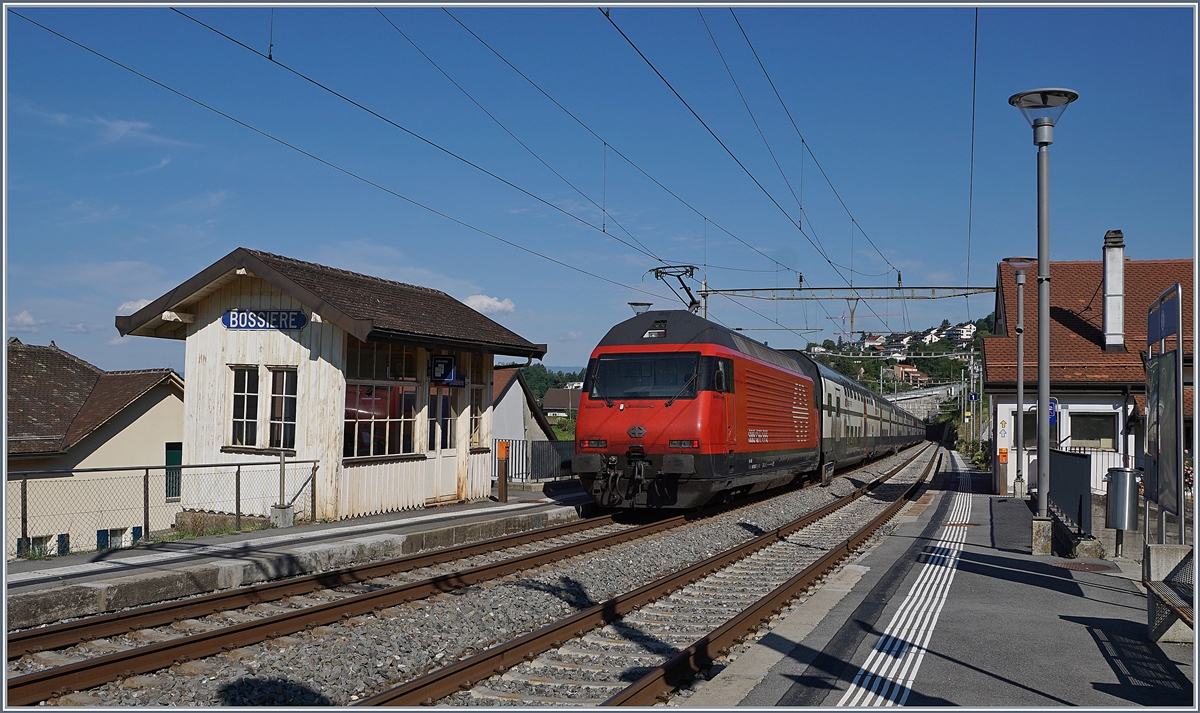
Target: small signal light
{"type": "Point", "coordinates": [597, 443]}
{"type": "Point", "coordinates": [685, 444]}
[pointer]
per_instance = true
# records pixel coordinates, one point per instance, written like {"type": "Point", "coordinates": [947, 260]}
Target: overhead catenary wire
{"type": "Point", "coordinates": [803, 142]}
{"type": "Point", "coordinates": [602, 206]}
{"type": "Point", "coordinates": [417, 136]}
{"type": "Point", "coordinates": [736, 160]}
{"type": "Point", "coordinates": [330, 164]}
{"type": "Point", "coordinates": [613, 149]}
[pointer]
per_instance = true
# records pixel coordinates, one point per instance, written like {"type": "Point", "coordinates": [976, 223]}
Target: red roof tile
{"type": "Point", "coordinates": [55, 399]}
{"type": "Point", "coordinates": [1076, 322]}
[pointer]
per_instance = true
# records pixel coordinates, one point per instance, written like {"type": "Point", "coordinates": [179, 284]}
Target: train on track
{"type": "Point", "coordinates": [678, 412]}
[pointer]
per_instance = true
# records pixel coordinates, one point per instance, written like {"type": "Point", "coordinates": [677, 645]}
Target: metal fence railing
{"type": "Point", "coordinates": [61, 511]}
{"type": "Point", "coordinates": [535, 460]}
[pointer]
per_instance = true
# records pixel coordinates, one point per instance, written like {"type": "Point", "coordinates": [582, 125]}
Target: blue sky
{"type": "Point", "coordinates": [117, 190]}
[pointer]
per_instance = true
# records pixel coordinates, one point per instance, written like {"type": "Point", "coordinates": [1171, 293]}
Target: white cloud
{"type": "Point", "coordinates": [115, 130]}
{"type": "Point", "coordinates": [80, 328]}
{"type": "Point", "coordinates": [572, 336]}
{"type": "Point", "coordinates": [200, 204]}
{"type": "Point", "coordinates": [489, 305]}
{"type": "Point", "coordinates": [128, 308]}
{"type": "Point", "coordinates": [23, 322]}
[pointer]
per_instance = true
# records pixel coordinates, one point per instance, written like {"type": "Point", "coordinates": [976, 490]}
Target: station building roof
{"type": "Point", "coordinates": [56, 399]}
{"type": "Point", "coordinates": [370, 308]}
{"type": "Point", "coordinates": [1077, 356]}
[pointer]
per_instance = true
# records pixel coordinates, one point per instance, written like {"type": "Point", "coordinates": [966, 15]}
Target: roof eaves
{"type": "Point", "coordinates": [148, 321]}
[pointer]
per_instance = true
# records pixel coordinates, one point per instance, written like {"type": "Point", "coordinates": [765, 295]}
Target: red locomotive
{"type": "Point", "coordinates": [678, 411]}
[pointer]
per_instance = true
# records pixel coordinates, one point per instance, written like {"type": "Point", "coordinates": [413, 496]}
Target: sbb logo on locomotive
{"type": "Point", "coordinates": [757, 435]}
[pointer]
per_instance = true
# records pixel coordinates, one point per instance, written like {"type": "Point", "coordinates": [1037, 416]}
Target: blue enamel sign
{"type": "Point", "coordinates": [285, 320]}
{"type": "Point", "coordinates": [1053, 412]}
{"type": "Point", "coordinates": [443, 369]}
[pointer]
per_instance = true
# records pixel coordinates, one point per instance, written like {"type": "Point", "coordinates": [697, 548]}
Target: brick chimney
{"type": "Point", "coordinates": [1114, 291]}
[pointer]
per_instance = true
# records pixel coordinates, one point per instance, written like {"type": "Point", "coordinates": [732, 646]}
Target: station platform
{"type": "Point", "coordinates": [951, 609]}
{"type": "Point", "coordinates": [76, 585]}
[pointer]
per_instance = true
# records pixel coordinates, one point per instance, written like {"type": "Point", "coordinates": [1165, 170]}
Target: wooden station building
{"type": "Point", "coordinates": [387, 385]}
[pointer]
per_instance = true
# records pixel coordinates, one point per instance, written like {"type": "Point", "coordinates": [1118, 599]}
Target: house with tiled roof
{"type": "Point", "coordinates": [64, 414]}
{"type": "Point", "coordinates": [385, 386]}
{"type": "Point", "coordinates": [1097, 346]}
{"type": "Point", "coordinates": [562, 403]}
{"type": "Point", "coordinates": [515, 412]}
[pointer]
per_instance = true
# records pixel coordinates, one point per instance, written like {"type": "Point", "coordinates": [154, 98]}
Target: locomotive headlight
{"type": "Point", "coordinates": [598, 443]}
{"type": "Point", "coordinates": [685, 444]}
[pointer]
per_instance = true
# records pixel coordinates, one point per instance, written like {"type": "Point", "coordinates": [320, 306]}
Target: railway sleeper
{"type": "Point", "coordinates": [583, 650]}
{"type": "Point", "coordinates": [549, 663]}
{"type": "Point", "coordinates": [486, 693]}
{"type": "Point", "coordinates": [535, 679]}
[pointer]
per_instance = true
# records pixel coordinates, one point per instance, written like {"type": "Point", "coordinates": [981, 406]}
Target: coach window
{"type": "Point", "coordinates": [245, 406]}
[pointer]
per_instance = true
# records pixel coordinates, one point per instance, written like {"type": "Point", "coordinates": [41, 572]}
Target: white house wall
{"type": "Point", "coordinates": [316, 352]}
{"type": "Point", "coordinates": [83, 503]}
{"type": "Point", "coordinates": [1005, 406]}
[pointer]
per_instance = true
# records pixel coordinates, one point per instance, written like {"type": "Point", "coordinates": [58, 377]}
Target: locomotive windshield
{"type": "Point", "coordinates": [643, 376]}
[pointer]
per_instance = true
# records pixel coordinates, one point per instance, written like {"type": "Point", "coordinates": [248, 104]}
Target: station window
{"type": "Point", "coordinates": [1030, 426]}
{"type": "Point", "coordinates": [245, 406]}
{"type": "Point", "coordinates": [443, 415]}
{"type": "Point", "coordinates": [369, 361]}
{"type": "Point", "coordinates": [476, 416]}
{"type": "Point", "coordinates": [283, 408]}
{"type": "Point", "coordinates": [380, 420]}
{"type": "Point", "coordinates": [1094, 430]}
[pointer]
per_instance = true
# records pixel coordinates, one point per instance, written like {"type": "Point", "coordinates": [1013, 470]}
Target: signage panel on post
{"type": "Point", "coordinates": [284, 320]}
{"type": "Point", "coordinates": [1053, 412]}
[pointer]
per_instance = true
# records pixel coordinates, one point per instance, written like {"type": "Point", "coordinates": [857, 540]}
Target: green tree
{"type": "Point", "coordinates": [541, 379]}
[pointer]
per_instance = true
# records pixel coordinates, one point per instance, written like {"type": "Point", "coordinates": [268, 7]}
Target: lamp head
{"type": "Point", "coordinates": [1042, 108]}
{"type": "Point", "coordinates": [1043, 103]}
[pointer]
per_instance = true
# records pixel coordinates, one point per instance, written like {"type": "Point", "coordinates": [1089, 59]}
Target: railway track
{"type": "Point", "coordinates": [355, 592]}
{"type": "Point", "coordinates": [661, 634]}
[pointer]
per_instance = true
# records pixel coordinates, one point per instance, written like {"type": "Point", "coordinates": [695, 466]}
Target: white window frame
{"type": "Point", "coordinates": [283, 421]}
{"type": "Point", "coordinates": [247, 417]}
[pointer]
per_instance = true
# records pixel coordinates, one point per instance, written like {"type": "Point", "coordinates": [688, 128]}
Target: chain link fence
{"type": "Point", "coordinates": [59, 512]}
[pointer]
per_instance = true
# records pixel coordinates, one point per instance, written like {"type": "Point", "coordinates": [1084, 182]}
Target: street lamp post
{"type": "Point", "coordinates": [1020, 264]}
{"type": "Point", "coordinates": [1042, 108]}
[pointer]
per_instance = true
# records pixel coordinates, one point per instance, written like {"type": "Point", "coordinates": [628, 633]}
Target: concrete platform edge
{"type": "Point", "coordinates": [44, 606]}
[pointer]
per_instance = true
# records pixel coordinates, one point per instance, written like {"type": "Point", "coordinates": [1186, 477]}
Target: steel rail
{"type": "Point", "coordinates": [41, 685]}
{"type": "Point", "coordinates": [442, 682]}
{"type": "Point", "coordinates": [59, 636]}
{"type": "Point", "coordinates": [656, 685]}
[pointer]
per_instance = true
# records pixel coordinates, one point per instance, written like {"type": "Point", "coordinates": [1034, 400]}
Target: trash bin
{"type": "Point", "coordinates": [1122, 511]}
{"type": "Point", "coordinates": [1122, 499]}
